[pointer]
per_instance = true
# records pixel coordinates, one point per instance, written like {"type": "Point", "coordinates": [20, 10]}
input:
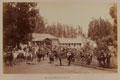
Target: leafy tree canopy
{"type": "Point", "coordinates": [18, 22]}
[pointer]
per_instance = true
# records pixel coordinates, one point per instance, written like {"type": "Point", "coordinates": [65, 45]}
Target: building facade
{"type": "Point", "coordinates": [70, 42]}
{"type": "Point", "coordinates": [43, 39]}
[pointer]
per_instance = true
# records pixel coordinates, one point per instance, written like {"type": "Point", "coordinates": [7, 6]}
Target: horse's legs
{"type": "Point", "coordinates": [68, 62]}
{"type": "Point", "coordinates": [100, 64]}
{"type": "Point", "coordinates": [49, 59]}
{"type": "Point", "coordinates": [39, 59]}
{"type": "Point", "coordinates": [90, 60]}
{"type": "Point", "coordinates": [104, 63]}
{"type": "Point", "coordinates": [10, 63]}
{"type": "Point", "coordinates": [43, 56]}
{"type": "Point", "coordinates": [47, 54]}
{"type": "Point", "coordinates": [60, 62]}
{"type": "Point", "coordinates": [14, 61]}
{"type": "Point", "coordinates": [5, 61]}
{"type": "Point", "coordinates": [32, 59]}
{"type": "Point", "coordinates": [108, 62]}
{"type": "Point", "coordinates": [26, 59]}
{"type": "Point", "coordinates": [53, 60]}
{"type": "Point", "coordinates": [56, 58]}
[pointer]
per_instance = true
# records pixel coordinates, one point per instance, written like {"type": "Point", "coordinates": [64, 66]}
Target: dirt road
{"type": "Point", "coordinates": [44, 67]}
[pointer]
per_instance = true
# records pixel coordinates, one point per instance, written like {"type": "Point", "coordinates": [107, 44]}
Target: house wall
{"type": "Point", "coordinates": [55, 42]}
{"type": "Point", "coordinates": [71, 45]}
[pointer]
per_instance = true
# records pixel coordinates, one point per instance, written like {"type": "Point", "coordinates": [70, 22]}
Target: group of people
{"type": "Point", "coordinates": [29, 53]}
{"type": "Point", "coordinates": [53, 53]}
{"type": "Point", "coordinates": [11, 55]}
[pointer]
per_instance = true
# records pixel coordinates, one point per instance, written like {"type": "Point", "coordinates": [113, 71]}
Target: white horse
{"type": "Point", "coordinates": [29, 55]}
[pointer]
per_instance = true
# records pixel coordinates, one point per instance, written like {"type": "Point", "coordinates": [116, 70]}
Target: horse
{"type": "Point", "coordinates": [89, 58]}
{"type": "Point", "coordinates": [51, 56]}
{"type": "Point", "coordinates": [40, 54]}
{"type": "Point", "coordinates": [20, 54]}
{"type": "Point", "coordinates": [12, 55]}
{"type": "Point", "coordinates": [81, 56]}
{"type": "Point", "coordinates": [8, 57]}
{"type": "Point", "coordinates": [104, 59]}
{"type": "Point", "coordinates": [64, 54]}
{"type": "Point", "coordinates": [85, 57]}
{"type": "Point", "coordinates": [29, 55]}
{"type": "Point", "coordinates": [35, 49]}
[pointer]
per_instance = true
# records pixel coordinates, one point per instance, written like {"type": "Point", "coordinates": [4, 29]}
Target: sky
{"type": "Point", "coordinates": [74, 13]}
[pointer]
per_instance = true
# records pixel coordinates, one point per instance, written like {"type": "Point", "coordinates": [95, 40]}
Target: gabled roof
{"type": "Point", "coordinates": [70, 40]}
{"type": "Point", "coordinates": [40, 37]}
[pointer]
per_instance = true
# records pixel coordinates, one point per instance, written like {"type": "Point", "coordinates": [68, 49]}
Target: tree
{"type": "Point", "coordinates": [40, 25]}
{"type": "Point", "coordinates": [113, 13]}
{"type": "Point", "coordinates": [101, 32]}
{"type": "Point", "coordinates": [79, 32]}
{"type": "Point", "coordinates": [58, 30]}
{"type": "Point", "coordinates": [18, 22]}
{"type": "Point", "coordinates": [99, 29]}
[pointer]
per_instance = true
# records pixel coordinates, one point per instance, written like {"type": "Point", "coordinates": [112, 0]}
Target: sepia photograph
{"type": "Point", "coordinates": [60, 37]}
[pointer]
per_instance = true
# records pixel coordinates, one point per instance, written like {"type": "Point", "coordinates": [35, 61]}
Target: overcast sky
{"type": "Point", "coordinates": [74, 13]}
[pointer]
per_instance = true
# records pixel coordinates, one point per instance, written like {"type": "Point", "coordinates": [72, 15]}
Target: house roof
{"type": "Point", "coordinates": [70, 40]}
{"type": "Point", "coordinates": [40, 37]}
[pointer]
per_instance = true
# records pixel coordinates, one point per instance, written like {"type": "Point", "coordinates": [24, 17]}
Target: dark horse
{"type": "Point", "coordinates": [8, 57]}
{"type": "Point", "coordinates": [85, 57]}
{"type": "Point", "coordinates": [64, 54]}
{"type": "Point", "coordinates": [12, 56]}
{"type": "Point", "coordinates": [40, 54]}
{"type": "Point", "coordinates": [104, 59]}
